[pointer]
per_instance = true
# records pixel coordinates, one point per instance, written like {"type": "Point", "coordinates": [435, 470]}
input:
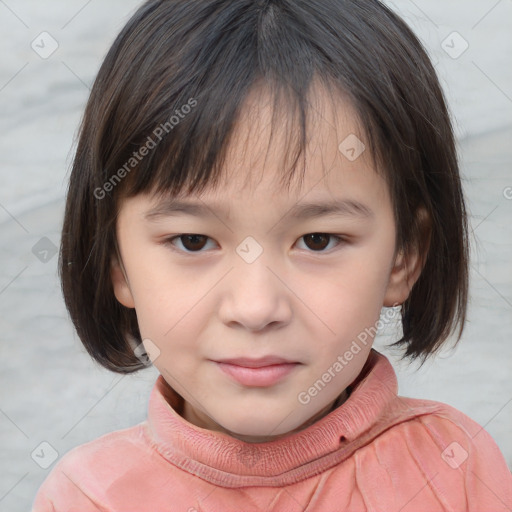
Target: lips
{"type": "Point", "coordinates": [248, 362]}
{"type": "Point", "coordinates": [262, 372]}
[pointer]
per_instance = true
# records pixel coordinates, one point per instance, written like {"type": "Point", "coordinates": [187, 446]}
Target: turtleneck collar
{"type": "Point", "coordinates": [227, 461]}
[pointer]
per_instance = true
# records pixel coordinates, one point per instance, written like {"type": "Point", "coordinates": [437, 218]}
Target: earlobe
{"type": "Point", "coordinates": [404, 274]}
{"type": "Point", "coordinates": [120, 284]}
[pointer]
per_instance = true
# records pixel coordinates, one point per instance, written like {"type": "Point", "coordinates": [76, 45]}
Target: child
{"type": "Point", "coordinates": [255, 290]}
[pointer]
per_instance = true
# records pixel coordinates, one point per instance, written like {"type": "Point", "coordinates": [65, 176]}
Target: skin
{"type": "Point", "coordinates": [304, 301]}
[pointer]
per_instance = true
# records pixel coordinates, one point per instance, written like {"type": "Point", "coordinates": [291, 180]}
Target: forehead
{"type": "Point", "coordinates": [266, 138]}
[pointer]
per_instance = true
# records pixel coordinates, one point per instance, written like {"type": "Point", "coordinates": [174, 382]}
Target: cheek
{"type": "Point", "coordinates": [156, 282]}
{"type": "Point", "coordinates": [349, 305]}
{"type": "Point", "coordinates": [354, 290]}
{"type": "Point", "coordinates": [172, 309]}
{"type": "Point", "coordinates": [177, 335]}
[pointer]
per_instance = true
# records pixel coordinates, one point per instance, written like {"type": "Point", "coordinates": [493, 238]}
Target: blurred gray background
{"type": "Point", "coordinates": [50, 390]}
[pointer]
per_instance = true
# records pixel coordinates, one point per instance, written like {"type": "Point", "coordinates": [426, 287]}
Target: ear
{"type": "Point", "coordinates": [120, 284]}
{"type": "Point", "coordinates": [409, 263]}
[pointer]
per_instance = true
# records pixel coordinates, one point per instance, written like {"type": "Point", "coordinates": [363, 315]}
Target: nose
{"type": "Point", "coordinates": [255, 297]}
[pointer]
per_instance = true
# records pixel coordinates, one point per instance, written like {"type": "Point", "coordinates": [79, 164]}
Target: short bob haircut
{"type": "Point", "coordinates": [165, 103]}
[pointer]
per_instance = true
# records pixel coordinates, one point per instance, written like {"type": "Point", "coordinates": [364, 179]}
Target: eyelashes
{"type": "Point", "coordinates": [192, 243]}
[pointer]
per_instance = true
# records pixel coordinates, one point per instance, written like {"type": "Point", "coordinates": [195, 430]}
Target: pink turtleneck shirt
{"type": "Point", "coordinates": [375, 452]}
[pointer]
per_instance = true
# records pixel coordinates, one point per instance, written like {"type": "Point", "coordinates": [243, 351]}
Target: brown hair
{"type": "Point", "coordinates": [209, 55]}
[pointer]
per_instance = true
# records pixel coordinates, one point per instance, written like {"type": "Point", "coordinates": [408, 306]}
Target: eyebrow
{"type": "Point", "coordinates": [302, 211]}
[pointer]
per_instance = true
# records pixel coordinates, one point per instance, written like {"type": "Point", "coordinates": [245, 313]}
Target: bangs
{"type": "Point", "coordinates": [171, 124]}
{"type": "Point", "coordinates": [172, 168]}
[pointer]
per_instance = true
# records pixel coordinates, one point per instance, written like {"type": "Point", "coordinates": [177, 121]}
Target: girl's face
{"type": "Point", "coordinates": [256, 282]}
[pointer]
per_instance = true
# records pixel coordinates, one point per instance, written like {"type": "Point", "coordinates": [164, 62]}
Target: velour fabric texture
{"type": "Point", "coordinates": [377, 451]}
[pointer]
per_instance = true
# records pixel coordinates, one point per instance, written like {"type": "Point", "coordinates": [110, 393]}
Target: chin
{"type": "Point", "coordinates": [259, 428]}
{"type": "Point", "coordinates": [256, 435]}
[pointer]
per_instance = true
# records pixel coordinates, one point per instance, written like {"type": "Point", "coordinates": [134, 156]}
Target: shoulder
{"type": "Point", "coordinates": [114, 448]}
{"type": "Point", "coordinates": [445, 454]}
{"type": "Point", "coordinates": [444, 427]}
{"type": "Point", "coordinates": [81, 476]}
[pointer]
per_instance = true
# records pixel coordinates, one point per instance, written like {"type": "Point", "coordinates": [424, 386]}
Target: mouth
{"type": "Point", "coordinates": [263, 372]}
{"type": "Point", "coordinates": [260, 362]}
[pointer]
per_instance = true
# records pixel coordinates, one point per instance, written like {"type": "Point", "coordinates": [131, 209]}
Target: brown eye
{"type": "Point", "coordinates": [193, 242]}
{"type": "Point", "coordinates": [188, 242]}
{"type": "Point", "coordinates": [320, 241]}
{"type": "Point", "coordinates": [317, 241]}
